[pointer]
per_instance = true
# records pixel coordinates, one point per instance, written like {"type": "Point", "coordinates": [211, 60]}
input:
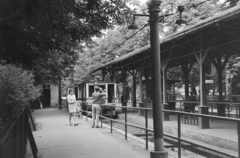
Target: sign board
{"type": "Point", "coordinates": [208, 81]}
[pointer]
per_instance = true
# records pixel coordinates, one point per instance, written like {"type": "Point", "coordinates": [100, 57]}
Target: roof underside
{"type": "Point", "coordinates": [218, 34]}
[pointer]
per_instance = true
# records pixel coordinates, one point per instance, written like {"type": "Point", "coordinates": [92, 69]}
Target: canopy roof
{"type": "Point", "coordinates": [216, 34]}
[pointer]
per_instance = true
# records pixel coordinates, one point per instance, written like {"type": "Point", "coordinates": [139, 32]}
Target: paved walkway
{"type": "Point", "coordinates": [56, 139]}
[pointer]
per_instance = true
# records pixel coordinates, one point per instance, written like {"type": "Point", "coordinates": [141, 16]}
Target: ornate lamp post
{"type": "Point", "coordinates": [154, 10]}
{"type": "Point", "coordinates": [72, 79]}
{"type": "Point", "coordinates": [59, 92]}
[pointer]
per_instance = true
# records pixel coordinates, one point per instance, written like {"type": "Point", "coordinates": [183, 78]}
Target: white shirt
{"type": "Point", "coordinates": [71, 98]}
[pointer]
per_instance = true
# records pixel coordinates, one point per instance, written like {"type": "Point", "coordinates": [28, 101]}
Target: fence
{"type": "Point", "coordinates": [212, 104]}
{"type": "Point", "coordinates": [180, 142]}
{"type": "Point", "coordinates": [13, 138]}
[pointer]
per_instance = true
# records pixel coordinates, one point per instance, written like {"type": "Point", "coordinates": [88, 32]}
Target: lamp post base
{"type": "Point", "coordinates": [158, 154]}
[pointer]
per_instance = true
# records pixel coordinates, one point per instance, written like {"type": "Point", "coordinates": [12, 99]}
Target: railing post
{"type": "Point", "coordinates": [30, 115]}
{"type": "Point", "coordinates": [23, 134]}
{"type": "Point", "coordinates": [141, 112]}
{"type": "Point", "coordinates": [111, 119]}
{"type": "Point", "coordinates": [30, 135]}
{"type": "Point", "coordinates": [19, 137]}
{"type": "Point", "coordinates": [236, 111]}
{"type": "Point", "coordinates": [146, 126]}
{"type": "Point", "coordinates": [24, 142]}
{"type": "Point", "coordinates": [228, 106]}
{"type": "Point", "coordinates": [179, 136]}
{"type": "Point", "coordinates": [166, 114]}
{"type": "Point", "coordinates": [101, 117]}
{"type": "Point", "coordinates": [238, 131]}
{"type": "Point", "coordinates": [212, 111]}
{"type": "Point", "coordinates": [125, 123]}
{"type": "Point", "coordinates": [81, 113]}
{"type": "Point", "coordinates": [87, 112]}
{"type": "Point", "coordinates": [203, 122]}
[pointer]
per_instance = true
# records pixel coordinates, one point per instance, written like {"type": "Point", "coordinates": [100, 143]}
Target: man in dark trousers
{"type": "Point", "coordinates": [96, 107]}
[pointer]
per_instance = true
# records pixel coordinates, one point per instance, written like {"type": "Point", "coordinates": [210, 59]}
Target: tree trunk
{"type": "Point", "coordinates": [220, 107]}
{"type": "Point", "coordinates": [59, 92]}
{"type": "Point", "coordinates": [124, 95]}
{"type": "Point", "coordinates": [186, 87]}
{"type": "Point", "coordinates": [134, 92]}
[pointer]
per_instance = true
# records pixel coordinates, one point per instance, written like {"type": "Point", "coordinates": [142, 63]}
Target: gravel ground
{"type": "Point", "coordinates": [130, 129]}
{"type": "Point", "coordinates": [135, 131]}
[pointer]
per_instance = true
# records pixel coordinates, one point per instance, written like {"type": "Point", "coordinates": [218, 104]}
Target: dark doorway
{"type": "Point", "coordinates": [110, 93]}
{"type": "Point", "coordinates": [76, 92]}
{"type": "Point", "coordinates": [47, 98]}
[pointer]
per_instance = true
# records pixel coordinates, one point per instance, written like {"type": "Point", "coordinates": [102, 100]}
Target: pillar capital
{"type": "Point", "coordinates": [153, 5]}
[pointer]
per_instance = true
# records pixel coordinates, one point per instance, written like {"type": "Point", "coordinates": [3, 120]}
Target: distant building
{"type": "Point", "coordinates": [50, 94]}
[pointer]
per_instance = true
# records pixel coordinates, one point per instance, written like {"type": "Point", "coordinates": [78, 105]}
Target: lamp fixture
{"type": "Point", "coordinates": [133, 26]}
{"type": "Point", "coordinates": [180, 21]}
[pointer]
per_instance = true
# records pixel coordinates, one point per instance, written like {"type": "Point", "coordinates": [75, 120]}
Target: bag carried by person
{"type": "Point", "coordinates": [78, 107]}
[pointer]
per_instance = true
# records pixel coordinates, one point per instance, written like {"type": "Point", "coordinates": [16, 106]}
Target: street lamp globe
{"type": "Point", "coordinates": [132, 27]}
{"type": "Point", "coordinates": [152, 3]}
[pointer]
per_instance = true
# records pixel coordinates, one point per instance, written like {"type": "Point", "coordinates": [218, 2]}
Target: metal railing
{"type": "Point", "coordinates": [212, 104]}
{"type": "Point", "coordinates": [178, 138]}
{"type": "Point", "coordinates": [13, 138]}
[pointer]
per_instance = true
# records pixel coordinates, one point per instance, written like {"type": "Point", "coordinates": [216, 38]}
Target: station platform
{"type": "Point", "coordinates": [55, 138]}
{"type": "Point", "coordinates": [222, 135]}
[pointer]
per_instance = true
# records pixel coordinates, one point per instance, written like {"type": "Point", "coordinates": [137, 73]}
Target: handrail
{"type": "Point", "coordinates": [178, 138]}
{"type": "Point", "coordinates": [185, 113]}
{"type": "Point", "coordinates": [14, 135]}
{"type": "Point", "coordinates": [10, 122]}
{"type": "Point", "coordinates": [204, 115]}
{"type": "Point", "coordinates": [138, 108]}
{"type": "Point", "coordinates": [211, 103]}
{"type": "Point", "coordinates": [215, 102]}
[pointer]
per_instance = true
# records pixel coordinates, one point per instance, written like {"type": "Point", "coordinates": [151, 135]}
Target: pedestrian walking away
{"type": "Point", "coordinates": [96, 106]}
{"type": "Point", "coordinates": [72, 102]}
{"type": "Point", "coordinates": [41, 100]}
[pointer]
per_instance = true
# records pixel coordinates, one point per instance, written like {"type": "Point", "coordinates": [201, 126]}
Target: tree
{"type": "Point", "coordinates": [16, 89]}
{"type": "Point", "coordinates": [233, 71]}
{"type": "Point", "coordinates": [32, 30]}
{"type": "Point", "coordinates": [113, 45]}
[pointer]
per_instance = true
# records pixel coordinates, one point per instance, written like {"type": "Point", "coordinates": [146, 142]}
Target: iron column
{"type": "Point", "coordinates": [154, 10]}
{"type": "Point", "coordinates": [59, 92]}
{"type": "Point", "coordinates": [72, 79]}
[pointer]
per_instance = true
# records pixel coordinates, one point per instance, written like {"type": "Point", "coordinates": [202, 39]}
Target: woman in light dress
{"type": "Point", "coordinates": [71, 98]}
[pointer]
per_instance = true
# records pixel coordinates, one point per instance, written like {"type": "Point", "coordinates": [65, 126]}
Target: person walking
{"type": "Point", "coordinates": [42, 100]}
{"type": "Point", "coordinates": [96, 107]}
{"type": "Point", "coordinates": [71, 99]}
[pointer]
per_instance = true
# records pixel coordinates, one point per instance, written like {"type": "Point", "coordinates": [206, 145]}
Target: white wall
{"type": "Point", "coordinates": [54, 95]}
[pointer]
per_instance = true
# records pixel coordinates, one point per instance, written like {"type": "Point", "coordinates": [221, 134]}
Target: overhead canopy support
{"type": "Point", "coordinates": [164, 72]}
{"type": "Point", "coordinates": [188, 51]}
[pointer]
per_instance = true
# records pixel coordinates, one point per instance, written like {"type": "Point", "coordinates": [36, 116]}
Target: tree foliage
{"type": "Point", "coordinates": [233, 72]}
{"type": "Point", "coordinates": [116, 41]}
{"type": "Point", "coordinates": [32, 31]}
{"type": "Point", "coordinates": [16, 88]}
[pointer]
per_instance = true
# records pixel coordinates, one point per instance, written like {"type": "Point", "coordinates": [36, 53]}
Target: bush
{"type": "Point", "coordinates": [16, 89]}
